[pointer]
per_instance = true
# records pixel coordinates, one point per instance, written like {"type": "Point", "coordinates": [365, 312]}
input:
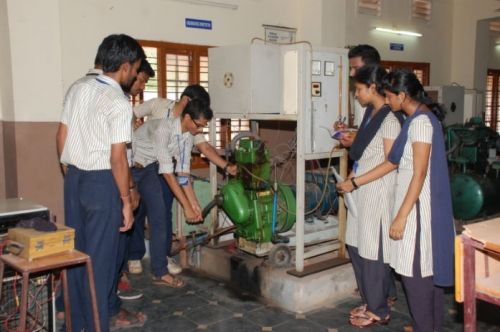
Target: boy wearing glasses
{"type": "Point", "coordinates": [163, 146]}
{"type": "Point", "coordinates": [154, 109]}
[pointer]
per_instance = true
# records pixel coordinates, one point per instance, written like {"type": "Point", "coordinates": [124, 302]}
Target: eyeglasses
{"type": "Point", "coordinates": [197, 124]}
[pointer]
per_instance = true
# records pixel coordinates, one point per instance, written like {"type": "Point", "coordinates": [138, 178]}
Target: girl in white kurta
{"type": "Point", "coordinates": [422, 230]}
{"type": "Point", "coordinates": [403, 251]}
{"type": "Point", "coordinates": [367, 234]}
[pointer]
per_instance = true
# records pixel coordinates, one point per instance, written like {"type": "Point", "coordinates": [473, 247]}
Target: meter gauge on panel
{"type": "Point", "coordinates": [316, 67]}
{"type": "Point", "coordinates": [329, 68]}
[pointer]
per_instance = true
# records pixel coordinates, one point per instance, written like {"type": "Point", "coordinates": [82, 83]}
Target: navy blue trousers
{"type": "Point", "coordinates": [135, 248]}
{"type": "Point", "coordinates": [374, 279]}
{"type": "Point", "coordinates": [93, 208]}
{"type": "Point", "coordinates": [425, 300]}
{"type": "Point", "coordinates": [157, 199]}
{"type": "Point", "coordinates": [115, 302]}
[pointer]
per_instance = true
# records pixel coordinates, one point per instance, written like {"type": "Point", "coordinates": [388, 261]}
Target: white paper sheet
{"type": "Point", "coordinates": [348, 200]}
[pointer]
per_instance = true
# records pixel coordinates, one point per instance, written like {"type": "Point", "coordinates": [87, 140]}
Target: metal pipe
{"type": "Point", "coordinates": [241, 135]}
{"type": "Point", "coordinates": [305, 106]}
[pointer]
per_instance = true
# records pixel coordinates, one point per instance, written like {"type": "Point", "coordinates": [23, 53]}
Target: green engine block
{"type": "Point", "coordinates": [248, 198]}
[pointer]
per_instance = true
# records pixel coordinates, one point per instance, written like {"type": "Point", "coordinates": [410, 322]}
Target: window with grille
{"type": "Point", "coordinates": [421, 10]}
{"type": "Point", "coordinates": [177, 66]}
{"type": "Point", "coordinates": [420, 69]}
{"type": "Point", "coordinates": [369, 7]}
{"type": "Point", "coordinates": [492, 104]}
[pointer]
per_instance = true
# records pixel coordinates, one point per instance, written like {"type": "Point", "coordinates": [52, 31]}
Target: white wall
{"type": "Point", "coordinates": [35, 47]}
{"type": "Point", "coordinates": [434, 47]}
{"type": "Point", "coordinates": [6, 101]}
{"type": "Point", "coordinates": [84, 23]}
{"type": "Point", "coordinates": [334, 23]}
{"type": "Point", "coordinates": [465, 18]}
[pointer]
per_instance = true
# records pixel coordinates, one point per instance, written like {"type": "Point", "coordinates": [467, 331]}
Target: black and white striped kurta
{"type": "Point", "coordinates": [402, 251]}
{"type": "Point", "coordinates": [374, 200]}
{"type": "Point", "coordinates": [97, 114]}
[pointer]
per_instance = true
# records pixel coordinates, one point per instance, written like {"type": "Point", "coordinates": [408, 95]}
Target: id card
{"type": "Point", "coordinates": [182, 180]}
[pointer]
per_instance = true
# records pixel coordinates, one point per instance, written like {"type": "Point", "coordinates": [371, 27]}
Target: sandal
{"type": "Point", "coordinates": [173, 281]}
{"type": "Point", "coordinates": [357, 311]}
{"type": "Point", "coordinates": [127, 319]}
{"type": "Point", "coordinates": [368, 319]}
{"type": "Point", "coordinates": [408, 328]}
{"type": "Point", "coordinates": [391, 300]}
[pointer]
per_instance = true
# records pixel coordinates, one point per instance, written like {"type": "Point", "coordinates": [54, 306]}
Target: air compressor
{"type": "Point", "coordinates": [475, 182]}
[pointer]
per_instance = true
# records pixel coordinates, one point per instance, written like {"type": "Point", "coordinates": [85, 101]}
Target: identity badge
{"type": "Point", "coordinates": [182, 180]}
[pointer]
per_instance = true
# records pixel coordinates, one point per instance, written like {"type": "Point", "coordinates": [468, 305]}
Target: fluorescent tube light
{"type": "Point", "coordinates": [400, 32]}
{"type": "Point", "coordinates": [210, 3]}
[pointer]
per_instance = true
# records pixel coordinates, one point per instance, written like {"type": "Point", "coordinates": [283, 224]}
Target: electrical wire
{"type": "Point", "coordinates": [36, 320]}
{"type": "Point", "coordinates": [327, 172]}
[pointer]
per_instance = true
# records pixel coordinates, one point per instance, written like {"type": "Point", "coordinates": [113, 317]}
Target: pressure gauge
{"type": "Point", "coordinates": [329, 68]}
{"type": "Point", "coordinates": [316, 67]}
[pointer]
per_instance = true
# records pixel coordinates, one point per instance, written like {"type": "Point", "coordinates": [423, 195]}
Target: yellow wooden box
{"type": "Point", "coordinates": [40, 244]}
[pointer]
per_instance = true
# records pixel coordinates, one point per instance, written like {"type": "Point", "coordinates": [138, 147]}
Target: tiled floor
{"type": "Point", "coordinates": [209, 305]}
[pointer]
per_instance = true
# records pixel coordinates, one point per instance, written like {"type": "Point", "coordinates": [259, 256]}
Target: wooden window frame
{"type": "Point", "coordinates": [495, 104]}
{"type": "Point", "coordinates": [421, 10]}
{"type": "Point", "coordinates": [425, 67]}
{"type": "Point", "coordinates": [195, 51]}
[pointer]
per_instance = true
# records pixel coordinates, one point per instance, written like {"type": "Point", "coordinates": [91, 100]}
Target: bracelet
{"type": "Point", "coordinates": [225, 167]}
{"type": "Point", "coordinates": [355, 185]}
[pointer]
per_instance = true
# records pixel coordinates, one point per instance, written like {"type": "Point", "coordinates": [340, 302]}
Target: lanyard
{"type": "Point", "coordinates": [101, 81]}
{"type": "Point", "coordinates": [181, 151]}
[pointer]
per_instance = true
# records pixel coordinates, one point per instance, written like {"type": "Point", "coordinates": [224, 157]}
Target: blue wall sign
{"type": "Point", "coordinates": [198, 24]}
{"type": "Point", "coordinates": [397, 47]}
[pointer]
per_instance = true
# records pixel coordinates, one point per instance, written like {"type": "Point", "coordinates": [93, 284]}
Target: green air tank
{"type": "Point", "coordinates": [473, 196]}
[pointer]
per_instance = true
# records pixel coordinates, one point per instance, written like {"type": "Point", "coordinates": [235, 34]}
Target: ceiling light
{"type": "Point", "coordinates": [400, 32]}
{"type": "Point", "coordinates": [210, 3]}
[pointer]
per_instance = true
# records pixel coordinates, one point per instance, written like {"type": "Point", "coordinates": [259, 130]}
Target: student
{"type": "Point", "coordinates": [91, 140]}
{"type": "Point", "coordinates": [359, 56]}
{"type": "Point", "coordinates": [124, 290]}
{"type": "Point", "coordinates": [367, 235]}
{"type": "Point", "coordinates": [159, 108]}
{"type": "Point", "coordinates": [422, 230]}
{"type": "Point", "coordinates": [126, 293]}
{"type": "Point", "coordinates": [155, 143]}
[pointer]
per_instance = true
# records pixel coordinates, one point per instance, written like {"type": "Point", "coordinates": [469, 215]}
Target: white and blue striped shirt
{"type": "Point", "coordinates": [97, 114]}
{"type": "Point", "coordinates": [169, 143]}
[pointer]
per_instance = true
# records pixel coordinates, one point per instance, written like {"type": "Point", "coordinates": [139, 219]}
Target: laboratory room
{"type": "Point", "coordinates": [249, 165]}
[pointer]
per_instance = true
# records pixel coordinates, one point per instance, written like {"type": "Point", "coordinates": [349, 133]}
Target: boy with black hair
{"type": "Point", "coordinates": [362, 55]}
{"type": "Point", "coordinates": [160, 108]}
{"type": "Point", "coordinates": [359, 56]}
{"type": "Point", "coordinates": [91, 141]}
{"type": "Point", "coordinates": [156, 144]}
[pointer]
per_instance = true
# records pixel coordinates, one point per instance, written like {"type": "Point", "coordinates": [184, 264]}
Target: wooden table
{"type": "Point", "coordinates": [50, 264]}
{"type": "Point", "coordinates": [481, 269]}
